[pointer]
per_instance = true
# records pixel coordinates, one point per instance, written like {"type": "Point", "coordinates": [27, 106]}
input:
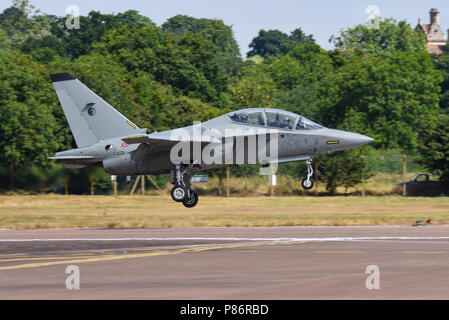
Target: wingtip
{"type": "Point", "coordinates": [61, 77]}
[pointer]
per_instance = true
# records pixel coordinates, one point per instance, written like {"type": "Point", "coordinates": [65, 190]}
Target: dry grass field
{"type": "Point", "coordinates": [57, 211]}
{"type": "Point", "coordinates": [379, 184]}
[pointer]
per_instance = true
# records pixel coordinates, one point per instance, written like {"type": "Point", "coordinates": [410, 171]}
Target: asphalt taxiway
{"type": "Point", "coordinates": [226, 263]}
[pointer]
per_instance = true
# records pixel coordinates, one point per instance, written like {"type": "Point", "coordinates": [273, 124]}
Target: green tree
{"type": "Point", "coordinates": [442, 64]}
{"type": "Point", "coordinates": [384, 85]}
{"type": "Point", "coordinates": [274, 42]}
{"type": "Point", "coordinates": [298, 36]}
{"type": "Point", "coordinates": [391, 36]}
{"type": "Point", "coordinates": [295, 81]}
{"type": "Point", "coordinates": [341, 169]}
{"type": "Point", "coordinates": [28, 129]}
{"type": "Point", "coordinates": [393, 99]}
{"type": "Point", "coordinates": [74, 43]}
{"type": "Point", "coordinates": [186, 63]}
{"type": "Point", "coordinates": [226, 49]}
{"type": "Point", "coordinates": [183, 111]}
{"type": "Point", "coordinates": [301, 78]}
{"type": "Point", "coordinates": [21, 22]}
{"type": "Point", "coordinates": [254, 89]}
{"type": "Point", "coordinates": [269, 42]}
{"type": "Point", "coordinates": [434, 148]}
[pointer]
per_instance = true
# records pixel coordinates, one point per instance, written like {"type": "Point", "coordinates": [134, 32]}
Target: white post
{"type": "Point", "coordinates": [114, 184]}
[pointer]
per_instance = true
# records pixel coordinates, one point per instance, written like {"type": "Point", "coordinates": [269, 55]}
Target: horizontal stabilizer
{"type": "Point", "coordinates": [84, 160]}
{"type": "Point", "coordinates": [72, 158]}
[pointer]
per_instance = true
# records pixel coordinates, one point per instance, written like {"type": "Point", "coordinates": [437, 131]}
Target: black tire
{"type": "Point", "coordinates": [179, 193]}
{"type": "Point", "coordinates": [308, 184]}
{"type": "Point", "coordinates": [192, 201]}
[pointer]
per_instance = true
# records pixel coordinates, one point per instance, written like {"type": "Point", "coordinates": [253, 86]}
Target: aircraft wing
{"type": "Point", "coordinates": [164, 141]}
{"type": "Point", "coordinates": [170, 138]}
{"type": "Point", "coordinates": [152, 144]}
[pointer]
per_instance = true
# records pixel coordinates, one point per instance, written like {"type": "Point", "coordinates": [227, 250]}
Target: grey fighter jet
{"type": "Point", "coordinates": [107, 139]}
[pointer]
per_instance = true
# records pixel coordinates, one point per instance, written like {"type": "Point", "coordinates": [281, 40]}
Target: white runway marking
{"type": "Point", "coordinates": [337, 239]}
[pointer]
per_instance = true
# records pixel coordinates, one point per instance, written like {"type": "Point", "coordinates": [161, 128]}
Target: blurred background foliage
{"type": "Point", "coordinates": [380, 82]}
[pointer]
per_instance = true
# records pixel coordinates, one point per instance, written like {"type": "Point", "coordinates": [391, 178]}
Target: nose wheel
{"type": "Point", "coordinates": [182, 191]}
{"type": "Point", "coordinates": [308, 183]}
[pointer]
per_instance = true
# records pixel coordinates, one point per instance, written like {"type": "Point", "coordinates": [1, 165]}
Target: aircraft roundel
{"type": "Point", "coordinates": [125, 145]}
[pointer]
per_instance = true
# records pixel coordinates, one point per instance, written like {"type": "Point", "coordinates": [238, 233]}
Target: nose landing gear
{"type": "Point", "coordinates": [182, 191]}
{"type": "Point", "coordinates": [308, 183]}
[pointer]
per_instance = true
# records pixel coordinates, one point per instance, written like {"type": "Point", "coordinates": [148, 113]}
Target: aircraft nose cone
{"type": "Point", "coordinates": [338, 140]}
{"type": "Point", "coordinates": [354, 140]}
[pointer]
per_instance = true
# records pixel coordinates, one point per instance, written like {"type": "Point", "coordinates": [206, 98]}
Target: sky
{"type": "Point", "coordinates": [321, 18]}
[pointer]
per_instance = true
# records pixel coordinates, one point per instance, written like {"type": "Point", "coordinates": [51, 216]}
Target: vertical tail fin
{"type": "Point", "coordinates": [90, 118]}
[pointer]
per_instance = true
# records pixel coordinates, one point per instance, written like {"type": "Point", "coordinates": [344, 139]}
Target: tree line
{"type": "Point", "coordinates": [379, 82]}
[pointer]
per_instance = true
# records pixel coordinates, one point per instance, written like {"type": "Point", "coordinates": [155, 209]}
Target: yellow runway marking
{"type": "Point", "coordinates": [13, 257]}
{"type": "Point", "coordinates": [143, 255]}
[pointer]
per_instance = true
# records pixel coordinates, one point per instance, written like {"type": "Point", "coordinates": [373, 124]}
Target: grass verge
{"type": "Point", "coordinates": [54, 211]}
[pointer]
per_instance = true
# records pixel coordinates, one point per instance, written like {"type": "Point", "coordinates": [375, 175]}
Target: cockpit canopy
{"type": "Point", "coordinates": [273, 118]}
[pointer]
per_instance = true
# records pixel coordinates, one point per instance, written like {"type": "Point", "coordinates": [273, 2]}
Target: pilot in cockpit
{"type": "Point", "coordinates": [301, 124]}
{"type": "Point", "coordinates": [260, 120]}
{"type": "Point", "coordinates": [286, 123]}
{"type": "Point", "coordinates": [235, 117]}
{"type": "Point", "coordinates": [277, 122]}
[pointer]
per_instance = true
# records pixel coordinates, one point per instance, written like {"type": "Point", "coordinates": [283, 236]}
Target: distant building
{"type": "Point", "coordinates": [436, 39]}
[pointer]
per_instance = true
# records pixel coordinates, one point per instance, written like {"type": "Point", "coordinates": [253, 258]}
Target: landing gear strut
{"type": "Point", "coordinates": [182, 191]}
{"type": "Point", "coordinates": [308, 183]}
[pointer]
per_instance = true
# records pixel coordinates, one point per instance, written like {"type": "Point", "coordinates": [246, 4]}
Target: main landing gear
{"type": "Point", "coordinates": [308, 183]}
{"type": "Point", "coordinates": [182, 191]}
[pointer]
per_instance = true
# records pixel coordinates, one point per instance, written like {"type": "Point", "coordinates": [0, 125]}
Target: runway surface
{"type": "Point", "coordinates": [226, 263]}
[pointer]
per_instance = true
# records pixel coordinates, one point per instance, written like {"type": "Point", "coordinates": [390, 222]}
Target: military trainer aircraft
{"type": "Point", "coordinates": [107, 139]}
